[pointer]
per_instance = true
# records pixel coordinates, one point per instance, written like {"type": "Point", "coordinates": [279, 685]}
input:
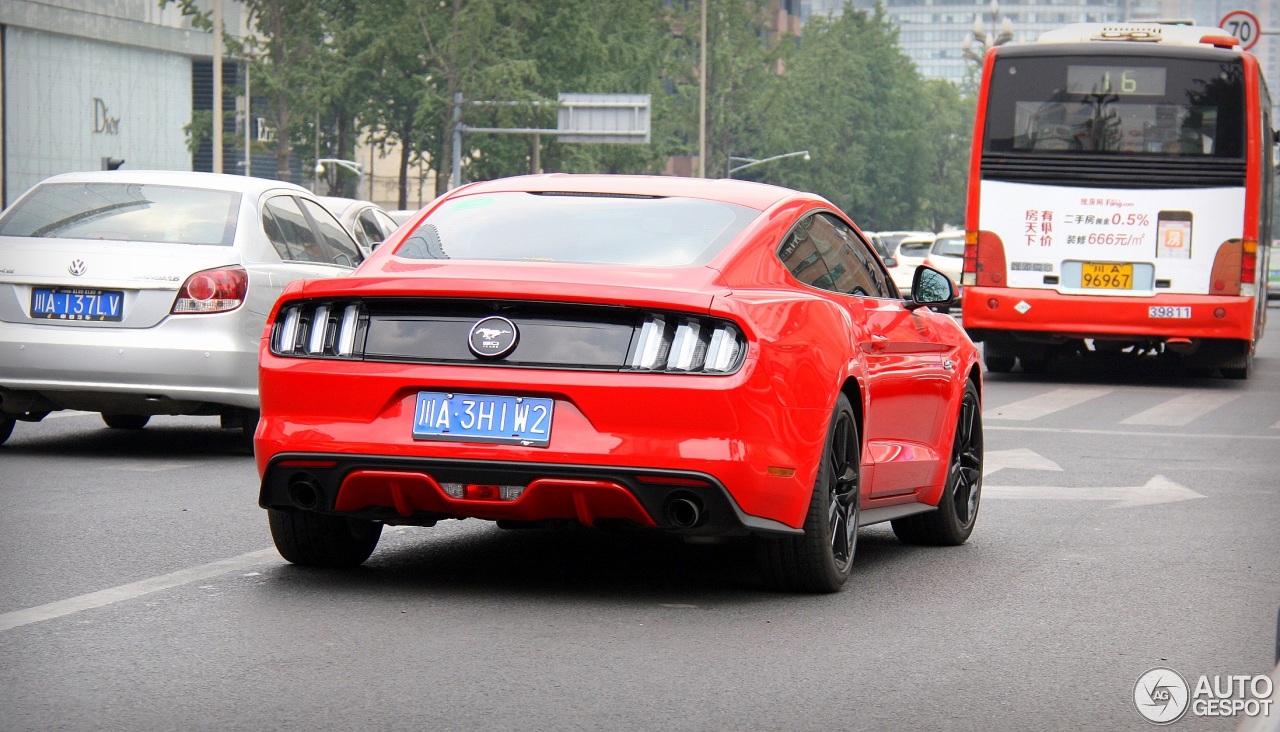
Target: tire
{"type": "Point", "coordinates": [952, 523]}
{"type": "Point", "coordinates": [6, 426]}
{"type": "Point", "coordinates": [248, 426]}
{"type": "Point", "coordinates": [999, 364]}
{"type": "Point", "coordinates": [125, 421]}
{"type": "Point", "coordinates": [820, 561]}
{"type": "Point", "coordinates": [1239, 373]}
{"type": "Point", "coordinates": [314, 539]}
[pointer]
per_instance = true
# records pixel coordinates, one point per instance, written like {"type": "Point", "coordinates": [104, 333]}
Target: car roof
{"type": "Point", "coordinates": [745, 193]}
{"type": "Point", "coordinates": [185, 178]}
{"type": "Point", "coordinates": [338, 203]}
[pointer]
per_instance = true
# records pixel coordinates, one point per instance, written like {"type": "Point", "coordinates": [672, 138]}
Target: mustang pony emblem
{"type": "Point", "coordinates": [492, 337]}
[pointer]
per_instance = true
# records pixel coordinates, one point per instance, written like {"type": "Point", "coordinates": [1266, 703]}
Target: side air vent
{"type": "Point", "coordinates": [1101, 170]}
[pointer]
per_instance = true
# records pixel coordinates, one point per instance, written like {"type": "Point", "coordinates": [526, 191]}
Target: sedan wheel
{"type": "Point", "coordinates": [952, 523]}
{"type": "Point", "coordinates": [821, 560]}
{"type": "Point", "coordinates": [320, 540]}
{"type": "Point", "coordinates": [125, 421]}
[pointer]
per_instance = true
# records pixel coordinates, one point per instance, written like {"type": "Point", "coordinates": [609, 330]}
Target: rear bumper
{"type": "Point", "coordinates": [732, 431]}
{"type": "Point", "coordinates": [995, 311]}
{"type": "Point", "coordinates": [178, 365]}
{"type": "Point", "coordinates": [398, 490]}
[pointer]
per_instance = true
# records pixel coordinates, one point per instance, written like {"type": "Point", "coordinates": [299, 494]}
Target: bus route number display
{"type": "Point", "coordinates": [1136, 81]}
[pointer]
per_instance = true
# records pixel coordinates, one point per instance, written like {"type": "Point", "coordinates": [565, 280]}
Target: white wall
{"type": "Point", "coordinates": [53, 124]}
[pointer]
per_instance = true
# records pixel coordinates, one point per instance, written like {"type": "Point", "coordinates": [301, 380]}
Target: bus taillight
{"type": "Point", "coordinates": [969, 271]}
{"type": "Point", "coordinates": [1249, 262]}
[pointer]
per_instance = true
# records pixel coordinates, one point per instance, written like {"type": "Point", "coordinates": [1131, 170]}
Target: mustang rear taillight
{"type": "Point", "coordinates": [687, 344]}
{"type": "Point", "coordinates": [212, 291]}
{"type": "Point", "coordinates": [320, 330]}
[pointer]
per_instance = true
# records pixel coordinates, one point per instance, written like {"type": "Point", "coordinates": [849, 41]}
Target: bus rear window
{"type": "Point", "coordinates": [1123, 105]}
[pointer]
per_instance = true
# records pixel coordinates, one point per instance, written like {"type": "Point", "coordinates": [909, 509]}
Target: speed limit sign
{"type": "Point", "coordinates": [1243, 25]}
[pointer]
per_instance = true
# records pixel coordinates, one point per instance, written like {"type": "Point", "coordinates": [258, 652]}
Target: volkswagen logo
{"type": "Point", "coordinates": [493, 337]}
{"type": "Point", "coordinates": [77, 267]}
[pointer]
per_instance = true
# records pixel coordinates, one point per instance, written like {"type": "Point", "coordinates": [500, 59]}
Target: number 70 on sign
{"type": "Point", "coordinates": [1243, 25]}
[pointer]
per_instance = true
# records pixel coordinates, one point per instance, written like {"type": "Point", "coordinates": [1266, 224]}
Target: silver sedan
{"type": "Point", "coordinates": [142, 293]}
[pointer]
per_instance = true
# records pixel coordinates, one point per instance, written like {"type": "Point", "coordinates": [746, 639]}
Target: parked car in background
{"type": "Point", "coordinates": [402, 215]}
{"type": "Point", "coordinates": [892, 239]}
{"type": "Point", "coordinates": [1273, 273]}
{"type": "Point", "coordinates": [138, 293]}
{"type": "Point", "coordinates": [364, 220]}
{"type": "Point", "coordinates": [947, 254]}
{"type": "Point", "coordinates": [910, 253]}
{"type": "Point", "coordinates": [715, 359]}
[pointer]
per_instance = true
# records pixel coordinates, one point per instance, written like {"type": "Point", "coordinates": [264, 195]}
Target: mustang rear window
{"type": "Point", "coordinates": [595, 229]}
{"type": "Point", "coordinates": [125, 212]}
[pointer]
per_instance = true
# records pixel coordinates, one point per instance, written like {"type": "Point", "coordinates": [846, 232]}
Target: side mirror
{"type": "Point", "coordinates": [890, 261]}
{"type": "Point", "coordinates": [931, 288]}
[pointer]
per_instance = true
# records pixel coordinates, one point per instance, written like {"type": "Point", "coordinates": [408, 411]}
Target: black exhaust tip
{"type": "Point", "coordinates": [683, 510]}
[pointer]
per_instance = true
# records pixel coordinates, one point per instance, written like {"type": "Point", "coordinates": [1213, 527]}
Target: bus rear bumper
{"type": "Point", "coordinates": [1003, 313]}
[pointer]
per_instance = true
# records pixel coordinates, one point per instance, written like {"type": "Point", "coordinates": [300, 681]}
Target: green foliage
{"type": "Point", "coordinates": [885, 145]}
{"type": "Point", "coordinates": [199, 130]}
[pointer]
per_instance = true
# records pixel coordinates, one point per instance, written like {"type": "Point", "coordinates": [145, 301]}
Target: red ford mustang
{"type": "Point", "coordinates": [714, 358]}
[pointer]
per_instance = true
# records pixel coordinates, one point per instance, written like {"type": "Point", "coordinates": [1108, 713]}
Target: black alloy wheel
{"type": "Point", "coordinates": [953, 521]}
{"type": "Point", "coordinates": [821, 560]}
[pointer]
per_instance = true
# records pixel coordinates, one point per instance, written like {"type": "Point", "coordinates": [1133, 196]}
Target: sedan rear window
{"type": "Point", "coordinates": [949, 246]}
{"type": "Point", "coordinates": [125, 212]}
{"type": "Point", "coordinates": [567, 227]}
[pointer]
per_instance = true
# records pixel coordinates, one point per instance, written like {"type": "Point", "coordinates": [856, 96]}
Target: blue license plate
{"type": "Point", "coordinates": [75, 303]}
{"type": "Point", "coordinates": [483, 418]}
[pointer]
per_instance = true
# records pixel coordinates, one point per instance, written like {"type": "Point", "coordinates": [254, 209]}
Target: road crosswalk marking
{"type": "Point", "coordinates": [1045, 404]}
{"type": "Point", "coordinates": [1181, 410]}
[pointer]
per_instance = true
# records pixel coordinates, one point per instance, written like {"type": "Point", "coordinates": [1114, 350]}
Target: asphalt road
{"type": "Point", "coordinates": [1130, 520]}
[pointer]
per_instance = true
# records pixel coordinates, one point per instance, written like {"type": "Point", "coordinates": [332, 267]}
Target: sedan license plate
{"type": "Point", "coordinates": [75, 303]}
{"type": "Point", "coordinates": [483, 417]}
{"type": "Point", "coordinates": [1168, 311]}
{"type": "Point", "coordinates": [1106, 276]}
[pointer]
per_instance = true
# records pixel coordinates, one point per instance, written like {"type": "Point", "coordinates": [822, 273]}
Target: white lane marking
{"type": "Point", "coordinates": [1181, 410]}
{"type": "Point", "coordinates": [1021, 458]}
{"type": "Point", "coordinates": [145, 467]}
{"type": "Point", "coordinates": [1045, 404]}
{"type": "Point", "coordinates": [112, 595]}
{"type": "Point", "coordinates": [1157, 490]}
{"type": "Point", "coordinates": [1135, 433]}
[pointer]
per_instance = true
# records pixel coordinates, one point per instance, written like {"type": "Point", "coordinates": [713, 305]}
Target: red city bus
{"type": "Point", "coordinates": [1119, 187]}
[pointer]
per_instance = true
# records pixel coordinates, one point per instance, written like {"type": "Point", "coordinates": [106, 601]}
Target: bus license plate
{"type": "Point", "coordinates": [1106, 276]}
{"type": "Point", "coordinates": [75, 303]}
{"type": "Point", "coordinates": [483, 418]}
{"type": "Point", "coordinates": [1167, 311]}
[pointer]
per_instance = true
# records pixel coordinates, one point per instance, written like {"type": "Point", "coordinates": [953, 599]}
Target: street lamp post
{"type": "Point", "coordinates": [351, 165]}
{"type": "Point", "coordinates": [984, 41]}
{"type": "Point", "coordinates": [750, 162]}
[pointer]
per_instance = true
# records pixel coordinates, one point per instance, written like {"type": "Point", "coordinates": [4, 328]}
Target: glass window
{"type": "Point", "coordinates": [341, 248]}
{"type": "Point", "coordinates": [369, 225]}
{"type": "Point", "coordinates": [289, 231]}
{"type": "Point", "coordinates": [854, 269]}
{"type": "Point", "coordinates": [799, 253]}
{"type": "Point", "coordinates": [1117, 105]}
{"type": "Point", "coordinates": [565, 227]}
{"type": "Point", "coordinates": [125, 212]}
{"type": "Point", "coordinates": [385, 222]}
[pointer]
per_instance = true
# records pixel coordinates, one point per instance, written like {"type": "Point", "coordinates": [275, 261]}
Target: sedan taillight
{"type": "Point", "coordinates": [320, 330]}
{"type": "Point", "coordinates": [687, 344]}
{"type": "Point", "coordinates": [212, 291]}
